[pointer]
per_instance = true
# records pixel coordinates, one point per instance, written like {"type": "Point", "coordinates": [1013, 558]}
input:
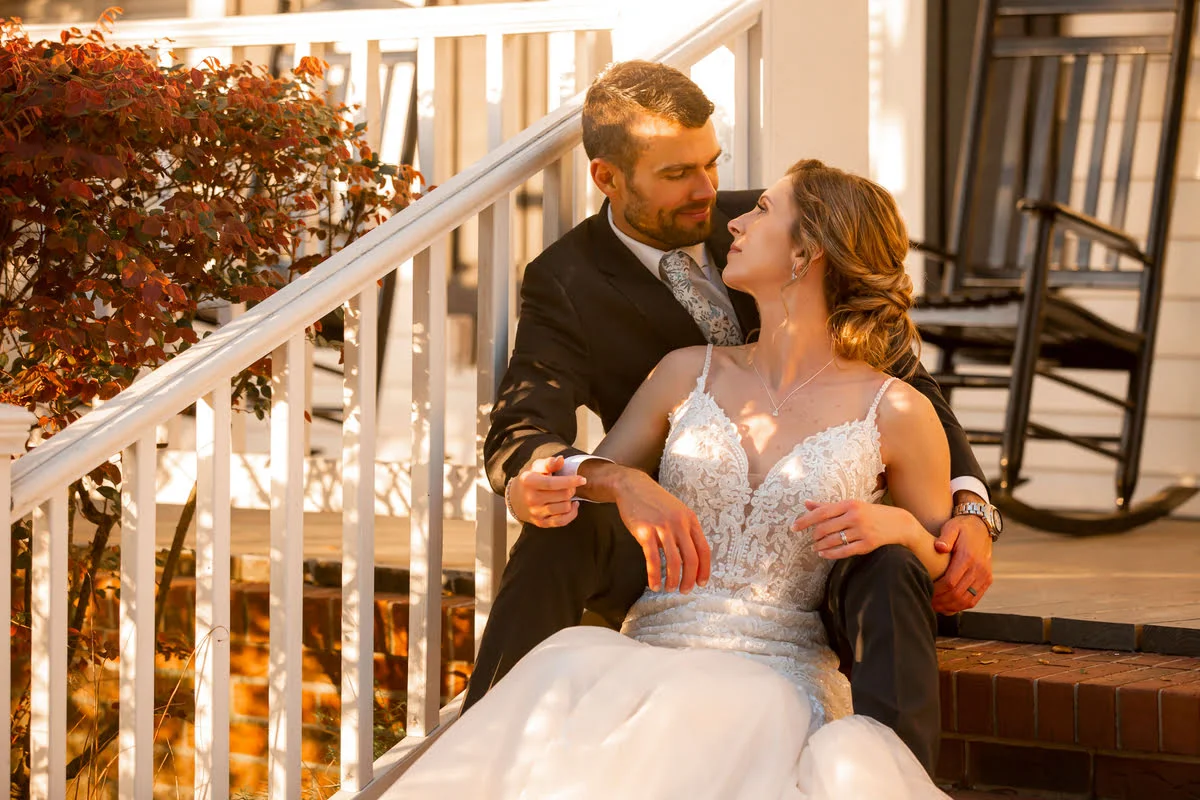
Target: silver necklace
{"type": "Point", "coordinates": [783, 402]}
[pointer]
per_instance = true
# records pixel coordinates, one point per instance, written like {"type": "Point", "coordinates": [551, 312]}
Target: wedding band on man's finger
{"type": "Point", "coordinates": [971, 591]}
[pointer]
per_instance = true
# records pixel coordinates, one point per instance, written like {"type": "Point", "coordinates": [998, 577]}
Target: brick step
{"type": "Point", "coordinates": [1057, 721]}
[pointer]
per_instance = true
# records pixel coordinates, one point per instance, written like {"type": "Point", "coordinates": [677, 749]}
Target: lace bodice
{"type": "Point", "coordinates": [767, 582]}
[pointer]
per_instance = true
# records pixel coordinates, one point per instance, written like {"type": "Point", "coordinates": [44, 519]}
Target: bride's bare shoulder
{"type": "Point", "coordinates": [903, 409]}
{"type": "Point", "coordinates": [677, 371]}
{"type": "Point", "coordinates": [685, 360]}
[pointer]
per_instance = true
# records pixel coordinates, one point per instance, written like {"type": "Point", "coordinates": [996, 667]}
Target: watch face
{"type": "Point", "coordinates": [996, 521]}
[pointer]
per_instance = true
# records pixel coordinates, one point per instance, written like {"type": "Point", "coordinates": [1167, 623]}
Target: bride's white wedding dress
{"type": "Point", "coordinates": [730, 691]}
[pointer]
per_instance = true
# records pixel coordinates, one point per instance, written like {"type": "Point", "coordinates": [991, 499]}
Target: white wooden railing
{"type": "Point", "coordinates": [125, 427]}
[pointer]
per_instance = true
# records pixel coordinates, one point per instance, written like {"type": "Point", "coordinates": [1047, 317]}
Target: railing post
{"type": "Point", "coordinates": [15, 423]}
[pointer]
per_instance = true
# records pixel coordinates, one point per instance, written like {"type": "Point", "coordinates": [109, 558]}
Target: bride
{"type": "Point", "coordinates": [731, 690]}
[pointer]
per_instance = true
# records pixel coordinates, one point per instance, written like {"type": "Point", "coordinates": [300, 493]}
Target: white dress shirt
{"type": "Point", "coordinates": [709, 285]}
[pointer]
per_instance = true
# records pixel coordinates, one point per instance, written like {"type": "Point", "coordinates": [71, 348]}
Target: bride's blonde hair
{"type": "Point", "coordinates": [856, 224]}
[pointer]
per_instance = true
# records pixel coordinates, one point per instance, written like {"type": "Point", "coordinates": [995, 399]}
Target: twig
{"type": "Point", "coordinates": [168, 572]}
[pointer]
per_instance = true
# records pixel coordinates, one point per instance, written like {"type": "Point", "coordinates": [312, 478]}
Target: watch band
{"type": "Point", "coordinates": [981, 510]}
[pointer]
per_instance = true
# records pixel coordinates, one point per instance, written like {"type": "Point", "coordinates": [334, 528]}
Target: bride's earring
{"type": "Point", "coordinates": [802, 271]}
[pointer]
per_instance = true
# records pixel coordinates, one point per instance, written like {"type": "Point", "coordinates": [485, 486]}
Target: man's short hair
{"type": "Point", "coordinates": [629, 89]}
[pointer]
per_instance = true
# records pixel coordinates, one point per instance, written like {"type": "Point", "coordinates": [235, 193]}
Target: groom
{"type": "Point", "coordinates": [599, 309]}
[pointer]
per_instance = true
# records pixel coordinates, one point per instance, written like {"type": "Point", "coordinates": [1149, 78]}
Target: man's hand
{"type": "Point", "coordinates": [661, 522]}
{"type": "Point", "coordinates": [969, 575]}
{"type": "Point", "coordinates": [540, 497]}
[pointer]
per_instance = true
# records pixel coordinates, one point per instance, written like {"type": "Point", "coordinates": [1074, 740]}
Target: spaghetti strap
{"type": "Point", "coordinates": [878, 397]}
{"type": "Point", "coordinates": [702, 381]}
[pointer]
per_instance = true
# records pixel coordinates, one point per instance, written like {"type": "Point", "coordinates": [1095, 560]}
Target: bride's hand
{"type": "Point", "coordinates": [661, 522]}
{"type": "Point", "coordinates": [853, 527]}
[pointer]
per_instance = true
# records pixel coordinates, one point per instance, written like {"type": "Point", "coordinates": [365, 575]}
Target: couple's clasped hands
{"type": "Point", "coordinates": [670, 534]}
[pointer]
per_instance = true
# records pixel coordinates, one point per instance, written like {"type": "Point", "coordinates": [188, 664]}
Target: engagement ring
{"type": "Point", "coordinates": [847, 541]}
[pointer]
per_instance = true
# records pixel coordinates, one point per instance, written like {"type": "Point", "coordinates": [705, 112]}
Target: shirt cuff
{"type": "Point", "coordinates": [571, 467]}
{"type": "Point", "coordinates": [571, 463]}
{"type": "Point", "coordinates": [966, 483]}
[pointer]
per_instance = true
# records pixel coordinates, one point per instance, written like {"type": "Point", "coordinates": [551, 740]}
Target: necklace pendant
{"type": "Point", "coordinates": [775, 413]}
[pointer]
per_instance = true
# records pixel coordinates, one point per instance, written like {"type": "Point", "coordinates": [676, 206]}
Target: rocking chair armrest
{"type": "Point", "coordinates": [1085, 226]}
{"type": "Point", "coordinates": [931, 251]}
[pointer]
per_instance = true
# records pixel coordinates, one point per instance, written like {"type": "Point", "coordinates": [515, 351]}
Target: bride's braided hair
{"type": "Point", "coordinates": [857, 225]}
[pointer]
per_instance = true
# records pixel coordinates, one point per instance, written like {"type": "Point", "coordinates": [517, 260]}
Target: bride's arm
{"type": "Point", "coordinates": [666, 529]}
{"type": "Point", "coordinates": [637, 439]}
{"type": "Point", "coordinates": [917, 462]}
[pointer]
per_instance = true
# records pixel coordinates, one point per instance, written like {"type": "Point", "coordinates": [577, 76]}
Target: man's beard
{"type": "Point", "coordinates": [664, 226]}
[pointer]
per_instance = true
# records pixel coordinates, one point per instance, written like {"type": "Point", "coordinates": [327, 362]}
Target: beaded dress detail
{"type": "Point", "coordinates": [767, 582]}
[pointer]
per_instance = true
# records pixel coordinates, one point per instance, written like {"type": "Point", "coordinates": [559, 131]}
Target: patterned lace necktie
{"type": "Point", "coordinates": [714, 321]}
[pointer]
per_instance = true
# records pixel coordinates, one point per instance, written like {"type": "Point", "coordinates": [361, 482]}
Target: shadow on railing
{"type": "Point", "coordinates": [276, 327]}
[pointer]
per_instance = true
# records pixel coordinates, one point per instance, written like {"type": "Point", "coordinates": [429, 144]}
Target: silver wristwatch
{"type": "Point", "coordinates": [986, 512]}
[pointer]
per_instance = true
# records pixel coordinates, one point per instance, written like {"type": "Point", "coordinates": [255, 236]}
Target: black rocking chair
{"type": "Point", "coordinates": [1027, 231]}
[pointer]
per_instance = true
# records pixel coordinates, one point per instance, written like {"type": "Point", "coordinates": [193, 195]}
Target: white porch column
{"type": "Point", "coordinates": [897, 103]}
{"type": "Point", "coordinates": [815, 84]}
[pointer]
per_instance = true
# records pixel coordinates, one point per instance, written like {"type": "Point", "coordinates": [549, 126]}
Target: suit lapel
{"type": "Point", "coordinates": [646, 293]}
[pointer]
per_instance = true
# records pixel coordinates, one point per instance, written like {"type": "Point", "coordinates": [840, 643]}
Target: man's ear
{"type": "Point", "coordinates": [606, 176]}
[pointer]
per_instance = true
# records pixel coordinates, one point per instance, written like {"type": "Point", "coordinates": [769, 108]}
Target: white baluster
{"type": "Point", "coordinates": [588, 52]}
{"type": "Point", "coordinates": [213, 452]}
{"type": "Point", "coordinates": [426, 85]}
{"type": "Point", "coordinates": [139, 468]}
{"type": "Point", "coordinates": [48, 657]}
{"type": "Point", "coordinates": [429, 446]}
{"type": "Point", "coordinates": [495, 266]}
{"type": "Point", "coordinates": [358, 539]}
{"type": "Point", "coordinates": [15, 423]}
{"type": "Point", "coordinates": [215, 10]}
{"type": "Point", "coordinates": [364, 91]}
{"type": "Point", "coordinates": [558, 179]}
{"type": "Point", "coordinates": [287, 567]}
{"type": "Point", "coordinates": [491, 540]}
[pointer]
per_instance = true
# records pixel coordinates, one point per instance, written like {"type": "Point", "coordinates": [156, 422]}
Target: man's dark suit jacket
{"type": "Point", "coordinates": [594, 322]}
